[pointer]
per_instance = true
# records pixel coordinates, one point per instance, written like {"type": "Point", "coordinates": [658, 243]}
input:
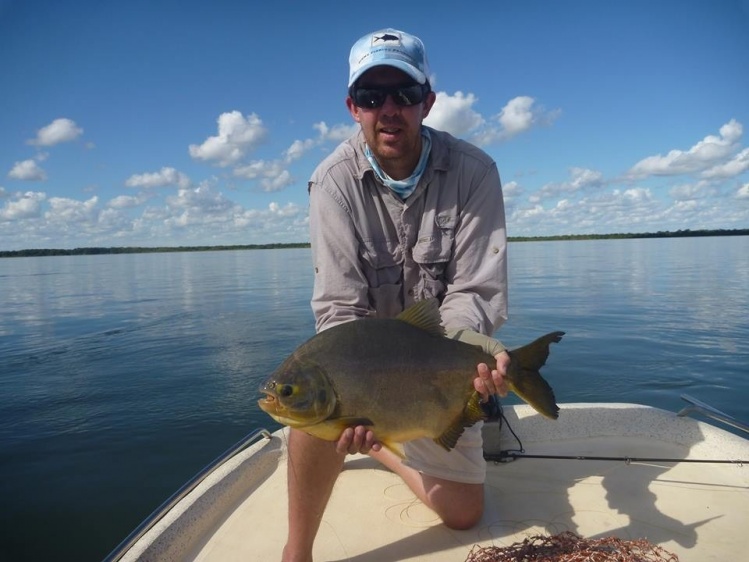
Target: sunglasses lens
{"type": "Point", "coordinates": [372, 98]}
{"type": "Point", "coordinates": [408, 95]}
{"type": "Point", "coordinates": [369, 97]}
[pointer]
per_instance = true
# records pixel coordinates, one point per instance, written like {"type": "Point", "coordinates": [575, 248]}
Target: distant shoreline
{"type": "Point", "coordinates": [38, 252]}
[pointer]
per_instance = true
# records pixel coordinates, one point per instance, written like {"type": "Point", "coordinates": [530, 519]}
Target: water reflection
{"type": "Point", "coordinates": [643, 317]}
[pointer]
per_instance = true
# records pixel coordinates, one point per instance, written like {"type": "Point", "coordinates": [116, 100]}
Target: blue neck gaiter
{"type": "Point", "coordinates": [404, 188]}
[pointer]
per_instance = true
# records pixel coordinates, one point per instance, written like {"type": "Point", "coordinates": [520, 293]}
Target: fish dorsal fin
{"type": "Point", "coordinates": [424, 315]}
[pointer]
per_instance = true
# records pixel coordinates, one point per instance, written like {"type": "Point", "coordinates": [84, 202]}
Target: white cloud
{"type": "Point", "coordinates": [511, 193]}
{"type": "Point", "coordinates": [734, 167]}
{"type": "Point", "coordinates": [272, 175]}
{"type": "Point", "coordinates": [297, 149]}
{"type": "Point", "coordinates": [691, 191]}
{"type": "Point", "coordinates": [259, 169]}
{"type": "Point", "coordinates": [205, 211]}
{"type": "Point", "coordinates": [636, 209]}
{"type": "Point", "coordinates": [27, 170]}
{"type": "Point", "coordinates": [201, 205]}
{"type": "Point", "coordinates": [23, 206]}
{"type": "Point", "coordinates": [277, 183]}
{"type": "Point", "coordinates": [605, 212]}
{"type": "Point", "coordinates": [702, 156]}
{"type": "Point", "coordinates": [454, 114]}
{"type": "Point", "coordinates": [289, 210]}
{"type": "Point", "coordinates": [522, 114]}
{"type": "Point", "coordinates": [517, 116]}
{"type": "Point", "coordinates": [126, 202]}
{"type": "Point", "coordinates": [165, 176]}
{"type": "Point", "coordinates": [63, 209]}
{"type": "Point", "coordinates": [200, 215]}
{"type": "Point", "coordinates": [580, 179]}
{"type": "Point", "coordinates": [511, 189]}
{"type": "Point", "coordinates": [743, 192]}
{"type": "Point", "coordinates": [237, 135]}
{"type": "Point", "coordinates": [583, 177]}
{"type": "Point", "coordinates": [60, 130]}
{"type": "Point", "coordinates": [337, 133]}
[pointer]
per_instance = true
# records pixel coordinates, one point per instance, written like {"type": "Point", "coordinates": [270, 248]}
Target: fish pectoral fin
{"type": "Point", "coordinates": [469, 416]}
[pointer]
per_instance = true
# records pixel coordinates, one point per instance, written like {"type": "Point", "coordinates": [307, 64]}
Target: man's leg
{"type": "Point", "coordinates": [313, 467]}
{"type": "Point", "coordinates": [459, 505]}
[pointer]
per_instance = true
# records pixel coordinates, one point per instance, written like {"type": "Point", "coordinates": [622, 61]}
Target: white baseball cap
{"type": "Point", "coordinates": [389, 47]}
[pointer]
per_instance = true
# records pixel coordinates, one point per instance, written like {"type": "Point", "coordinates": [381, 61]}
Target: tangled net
{"type": "Point", "coordinates": [569, 547]}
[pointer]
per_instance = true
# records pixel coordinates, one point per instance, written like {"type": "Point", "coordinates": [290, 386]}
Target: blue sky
{"type": "Point", "coordinates": [182, 123]}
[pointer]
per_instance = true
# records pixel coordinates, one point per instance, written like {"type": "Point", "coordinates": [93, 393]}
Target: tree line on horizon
{"type": "Point", "coordinates": [37, 252]}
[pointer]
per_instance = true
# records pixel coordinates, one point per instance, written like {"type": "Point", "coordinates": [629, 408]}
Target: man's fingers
{"type": "Point", "coordinates": [498, 376]}
{"type": "Point", "coordinates": [356, 440]}
{"type": "Point", "coordinates": [490, 382]}
{"type": "Point", "coordinates": [484, 384]}
{"type": "Point", "coordinates": [344, 441]}
{"type": "Point", "coordinates": [500, 384]}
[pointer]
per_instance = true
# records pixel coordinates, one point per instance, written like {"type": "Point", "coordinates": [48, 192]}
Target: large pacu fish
{"type": "Point", "coordinates": [401, 377]}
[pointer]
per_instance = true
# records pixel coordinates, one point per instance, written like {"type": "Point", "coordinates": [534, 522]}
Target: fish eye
{"type": "Point", "coordinates": [285, 390]}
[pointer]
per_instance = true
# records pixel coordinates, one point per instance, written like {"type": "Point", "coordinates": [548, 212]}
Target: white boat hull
{"type": "Point", "coordinates": [698, 511]}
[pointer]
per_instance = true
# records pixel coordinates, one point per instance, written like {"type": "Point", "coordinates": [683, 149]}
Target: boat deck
{"type": "Point", "coordinates": [698, 511]}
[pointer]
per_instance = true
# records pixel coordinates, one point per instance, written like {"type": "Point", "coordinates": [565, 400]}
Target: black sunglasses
{"type": "Point", "coordinates": [372, 98]}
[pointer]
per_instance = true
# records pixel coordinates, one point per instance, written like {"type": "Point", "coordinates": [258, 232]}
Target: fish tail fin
{"type": "Point", "coordinates": [526, 381]}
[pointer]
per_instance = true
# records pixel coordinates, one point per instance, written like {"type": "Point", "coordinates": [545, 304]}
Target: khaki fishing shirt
{"type": "Point", "coordinates": [375, 254]}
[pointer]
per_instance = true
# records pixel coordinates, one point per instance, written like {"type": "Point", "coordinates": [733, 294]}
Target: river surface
{"type": "Point", "coordinates": [121, 376]}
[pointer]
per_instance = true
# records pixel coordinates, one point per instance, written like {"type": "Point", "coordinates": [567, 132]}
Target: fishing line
{"type": "Point", "coordinates": [502, 421]}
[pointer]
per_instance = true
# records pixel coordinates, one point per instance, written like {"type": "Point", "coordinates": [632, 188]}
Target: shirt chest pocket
{"type": "Point", "coordinates": [436, 239]}
{"type": "Point", "coordinates": [431, 254]}
{"type": "Point", "coordinates": [382, 264]}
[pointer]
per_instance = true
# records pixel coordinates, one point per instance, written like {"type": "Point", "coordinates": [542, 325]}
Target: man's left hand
{"type": "Point", "coordinates": [492, 381]}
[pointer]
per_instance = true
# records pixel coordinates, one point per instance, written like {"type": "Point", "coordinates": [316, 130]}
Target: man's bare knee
{"type": "Point", "coordinates": [460, 506]}
{"type": "Point", "coordinates": [463, 518]}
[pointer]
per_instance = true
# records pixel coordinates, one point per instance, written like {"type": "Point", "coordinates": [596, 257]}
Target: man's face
{"type": "Point", "coordinates": [392, 132]}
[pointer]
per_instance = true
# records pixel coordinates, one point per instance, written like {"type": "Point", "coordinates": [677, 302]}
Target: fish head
{"type": "Point", "coordinates": [298, 394]}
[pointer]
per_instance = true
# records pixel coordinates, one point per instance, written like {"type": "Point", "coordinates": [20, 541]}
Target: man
{"type": "Point", "coordinates": [399, 213]}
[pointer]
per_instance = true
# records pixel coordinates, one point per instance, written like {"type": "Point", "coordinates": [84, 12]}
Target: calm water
{"type": "Point", "coordinates": [122, 376]}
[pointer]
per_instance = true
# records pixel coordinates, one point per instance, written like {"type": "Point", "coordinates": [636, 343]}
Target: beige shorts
{"type": "Point", "coordinates": [465, 463]}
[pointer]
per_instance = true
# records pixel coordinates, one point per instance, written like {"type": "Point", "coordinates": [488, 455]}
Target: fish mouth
{"type": "Point", "coordinates": [269, 402]}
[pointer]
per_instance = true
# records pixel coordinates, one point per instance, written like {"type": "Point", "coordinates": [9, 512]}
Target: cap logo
{"type": "Point", "coordinates": [385, 38]}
